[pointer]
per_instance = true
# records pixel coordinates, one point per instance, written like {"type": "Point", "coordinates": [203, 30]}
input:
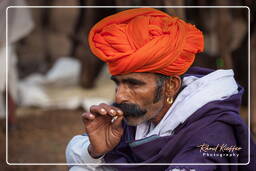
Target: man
{"type": "Point", "coordinates": [159, 116]}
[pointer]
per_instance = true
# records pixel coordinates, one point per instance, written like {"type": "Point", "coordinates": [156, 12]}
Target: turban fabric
{"type": "Point", "coordinates": [145, 40]}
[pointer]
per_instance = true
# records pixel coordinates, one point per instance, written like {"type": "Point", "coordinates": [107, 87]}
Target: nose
{"type": "Point", "coordinates": [122, 94]}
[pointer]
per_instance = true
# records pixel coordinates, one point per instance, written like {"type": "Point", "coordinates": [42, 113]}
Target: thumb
{"type": "Point", "coordinates": [118, 122]}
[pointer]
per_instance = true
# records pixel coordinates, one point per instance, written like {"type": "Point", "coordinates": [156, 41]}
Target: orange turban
{"type": "Point", "coordinates": [145, 40]}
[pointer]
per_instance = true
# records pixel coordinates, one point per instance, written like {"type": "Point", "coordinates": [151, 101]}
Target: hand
{"type": "Point", "coordinates": [104, 133]}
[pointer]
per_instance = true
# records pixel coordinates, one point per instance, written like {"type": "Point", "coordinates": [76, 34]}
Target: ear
{"type": "Point", "coordinates": [172, 86]}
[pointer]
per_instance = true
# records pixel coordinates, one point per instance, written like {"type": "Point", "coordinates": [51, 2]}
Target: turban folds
{"type": "Point", "coordinates": [145, 40]}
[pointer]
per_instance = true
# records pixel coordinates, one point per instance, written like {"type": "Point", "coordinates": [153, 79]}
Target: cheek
{"type": "Point", "coordinates": [145, 96]}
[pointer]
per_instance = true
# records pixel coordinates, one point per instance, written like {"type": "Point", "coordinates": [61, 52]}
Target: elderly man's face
{"type": "Point", "coordinates": [135, 95]}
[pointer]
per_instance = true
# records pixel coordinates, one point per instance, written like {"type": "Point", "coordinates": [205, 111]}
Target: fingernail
{"type": "Point", "coordinates": [91, 115]}
{"type": "Point", "coordinates": [119, 111]}
{"type": "Point", "coordinates": [103, 111]}
{"type": "Point", "coordinates": [112, 111]}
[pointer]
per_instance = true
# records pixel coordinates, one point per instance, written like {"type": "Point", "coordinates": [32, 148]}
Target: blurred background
{"type": "Point", "coordinates": [53, 77]}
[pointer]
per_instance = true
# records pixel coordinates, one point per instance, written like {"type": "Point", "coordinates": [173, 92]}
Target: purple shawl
{"type": "Point", "coordinates": [217, 122]}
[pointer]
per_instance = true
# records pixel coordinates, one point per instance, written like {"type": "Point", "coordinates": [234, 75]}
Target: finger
{"type": "Point", "coordinates": [119, 111]}
{"type": "Point", "coordinates": [118, 122]}
{"type": "Point", "coordinates": [96, 109]}
{"type": "Point", "coordinates": [110, 109]}
{"type": "Point", "coordinates": [87, 117]}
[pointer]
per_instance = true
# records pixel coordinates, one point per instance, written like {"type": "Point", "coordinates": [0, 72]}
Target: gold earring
{"type": "Point", "coordinates": [169, 100]}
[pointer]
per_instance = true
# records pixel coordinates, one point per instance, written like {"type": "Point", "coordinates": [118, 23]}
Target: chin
{"type": "Point", "coordinates": [133, 121]}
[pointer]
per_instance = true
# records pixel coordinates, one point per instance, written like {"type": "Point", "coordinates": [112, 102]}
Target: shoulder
{"type": "Point", "coordinates": [217, 132]}
{"type": "Point", "coordinates": [213, 135]}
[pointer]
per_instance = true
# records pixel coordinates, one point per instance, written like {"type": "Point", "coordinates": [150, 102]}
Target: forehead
{"type": "Point", "coordinates": [146, 77]}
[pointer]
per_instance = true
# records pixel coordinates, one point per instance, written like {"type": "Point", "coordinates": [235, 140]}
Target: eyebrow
{"type": "Point", "coordinates": [128, 80]}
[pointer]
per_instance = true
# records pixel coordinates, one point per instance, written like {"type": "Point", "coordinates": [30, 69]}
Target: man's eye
{"type": "Point", "coordinates": [134, 84]}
